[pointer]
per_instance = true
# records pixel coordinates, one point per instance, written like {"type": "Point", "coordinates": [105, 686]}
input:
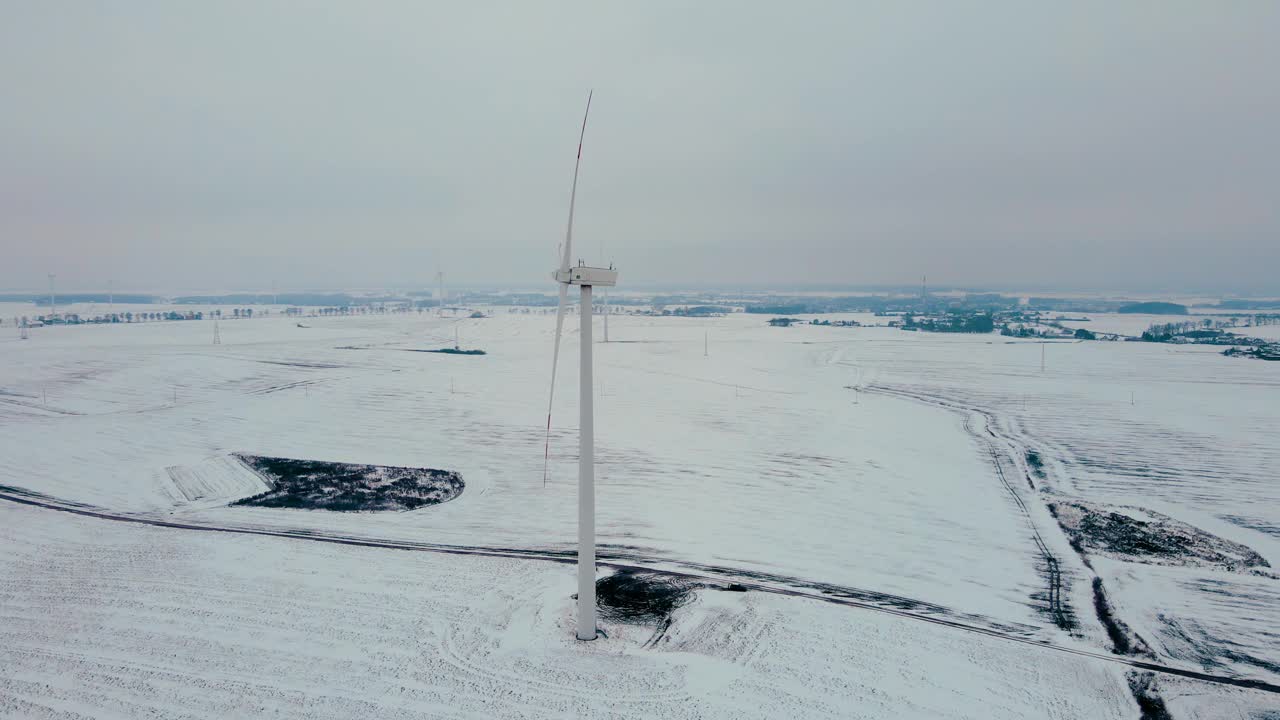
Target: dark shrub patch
{"type": "Point", "coordinates": [1035, 462]}
{"type": "Point", "coordinates": [344, 487]}
{"type": "Point", "coordinates": [1145, 536]}
{"type": "Point", "coordinates": [450, 351]}
{"type": "Point", "coordinates": [1150, 704]}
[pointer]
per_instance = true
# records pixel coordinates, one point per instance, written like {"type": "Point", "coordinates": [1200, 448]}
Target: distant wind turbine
{"type": "Point", "coordinates": [585, 278]}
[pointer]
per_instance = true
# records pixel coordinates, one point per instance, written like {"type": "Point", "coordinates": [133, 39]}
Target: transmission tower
{"type": "Point", "coordinates": [217, 337]}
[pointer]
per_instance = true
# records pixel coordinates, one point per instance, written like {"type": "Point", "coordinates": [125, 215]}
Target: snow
{"type": "Point", "coordinates": [171, 623]}
{"type": "Point", "coordinates": [1129, 324]}
{"type": "Point", "coordinates": [216, 480]}
{"type": "Point", "coordinates": [760, 460]}
{"type": "Point", "coordinates": [1133, 324]}
{"type": "Point", "coordinates": [695, 452]}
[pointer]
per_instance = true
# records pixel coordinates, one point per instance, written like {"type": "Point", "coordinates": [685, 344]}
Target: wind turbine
{"type": "Point", "coordinates": [586, 278]}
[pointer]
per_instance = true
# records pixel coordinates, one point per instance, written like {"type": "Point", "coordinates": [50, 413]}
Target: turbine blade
{"type": "Point", "coordinates": [555, 362]}
{"type": "Point", "coordinates": [564, 288]}
{"type": "Point", "coordinates": [573, 193]}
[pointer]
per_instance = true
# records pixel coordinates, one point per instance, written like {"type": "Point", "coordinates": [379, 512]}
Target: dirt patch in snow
{"type": "Point", "coordinates": [641, 597]}
{"type": "Point", "coordinates": [448, 351]}
{"type": "Point", "coordinates": [1145, 692]}
{"type": "Point", "coordinates": [345, 487]}
{"type": "Point", "coordinates": [1139, 535]}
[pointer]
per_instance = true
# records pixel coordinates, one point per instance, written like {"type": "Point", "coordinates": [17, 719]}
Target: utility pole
{"type": "Point", "coordinates": [1042, 344]}
{"type": "Point", "coordinates": [706, 344]}
{"type": "Point", "coordinates": [53, 305]}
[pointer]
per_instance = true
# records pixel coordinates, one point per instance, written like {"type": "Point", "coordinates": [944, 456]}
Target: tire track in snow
{"type": "Point", "coordinates": [1062, 615]}
{"type": "Point", "coordinates": [816, 591]}
{"type": "Point", "coordinates": [457, 657]}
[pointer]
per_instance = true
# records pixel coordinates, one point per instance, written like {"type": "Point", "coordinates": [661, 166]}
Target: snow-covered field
{"type": "Point", "coordinates": [1132, 324]}
{"type": "Point", "coordinates": [110, 620]}
{"type": "Point", "coordinates": [854, 462]}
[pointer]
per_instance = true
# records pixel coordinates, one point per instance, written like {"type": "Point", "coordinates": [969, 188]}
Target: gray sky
{"type": "Point", "coordinates": [184, 145]}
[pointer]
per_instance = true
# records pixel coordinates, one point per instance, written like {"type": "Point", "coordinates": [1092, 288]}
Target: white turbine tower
{"type": "Point", "coordinates": [586, 278]}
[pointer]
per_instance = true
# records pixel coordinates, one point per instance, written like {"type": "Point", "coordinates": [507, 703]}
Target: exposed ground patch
{"type": "Point", "coordinates": [448, 351]}
{"type": "Point", "coordinates": [345, 487]}
{"type": "Point", "coordinates": [633, 596]}
{"type": "Point", "coordinates": [1138, 535]}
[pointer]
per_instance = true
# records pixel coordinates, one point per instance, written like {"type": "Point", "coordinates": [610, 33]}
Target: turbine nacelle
{"type": "Point", "coordinates": [583, 275]}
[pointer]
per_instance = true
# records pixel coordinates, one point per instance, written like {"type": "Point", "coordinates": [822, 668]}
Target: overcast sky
{"type": "Point", "coordinates": [221, 145]}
